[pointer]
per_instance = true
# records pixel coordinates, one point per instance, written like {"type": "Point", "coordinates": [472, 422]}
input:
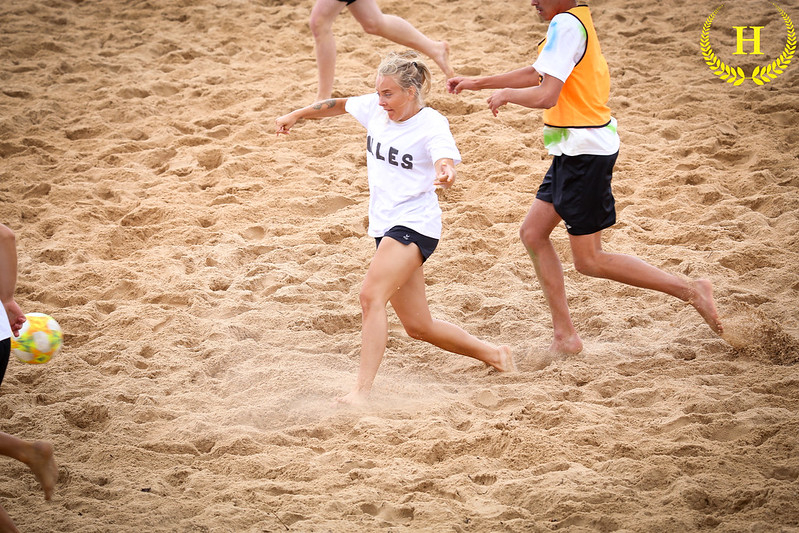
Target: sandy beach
{"type": "Point", "coordinates": [206, 275]}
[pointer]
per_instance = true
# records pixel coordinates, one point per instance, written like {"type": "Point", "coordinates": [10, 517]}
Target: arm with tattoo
{"type": "Point", "coordinates": [324, 108]}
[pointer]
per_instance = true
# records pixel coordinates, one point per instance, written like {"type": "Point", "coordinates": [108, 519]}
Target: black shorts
{"type": "Point", "coordinates": [348, 1]}
{"type": "Point", "coordinates": [5, 351]}
{"type": "Point", "coordinates": [578, 187]}
{"type": "Point", "coordinates": [408, 236]}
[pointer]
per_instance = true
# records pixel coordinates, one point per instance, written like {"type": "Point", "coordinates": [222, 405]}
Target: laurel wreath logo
{"type": "Point", "coordinates": [760, 75]}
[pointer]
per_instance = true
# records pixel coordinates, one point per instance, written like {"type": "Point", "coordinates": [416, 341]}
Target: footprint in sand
{"type": "Point", "coordinates": [389, 513]}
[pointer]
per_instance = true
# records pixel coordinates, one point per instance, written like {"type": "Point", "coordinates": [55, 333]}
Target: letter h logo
{"type": "Point", "coordinates": [739, 49]}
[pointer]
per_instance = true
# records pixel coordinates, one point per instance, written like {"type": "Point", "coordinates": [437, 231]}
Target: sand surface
{"type": "Point", "coordinates": [206, 274]}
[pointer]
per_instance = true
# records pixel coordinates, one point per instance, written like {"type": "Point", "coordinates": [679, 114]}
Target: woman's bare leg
{"type": "Point", "coordinates": [391, 266]}
{"type": "Point", "coordinates": [402, 32]}
{"type": "Point", "coordinates": [410, 304]}
{"type": "Point", "coordinates": [37, 455]}
{"type": "Point", "coordinates": [323, 15]}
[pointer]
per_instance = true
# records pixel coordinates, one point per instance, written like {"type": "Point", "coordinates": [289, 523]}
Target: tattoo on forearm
{"type": "Point", "coordinates": [329, 103]}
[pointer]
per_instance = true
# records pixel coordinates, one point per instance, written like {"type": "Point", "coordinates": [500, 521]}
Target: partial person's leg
{"type": "Point", "coordinates": [591, 260]}
{"type": "Point", "coordinates": [37, 455]}
{"type": "Point", "coordinates": [400, 31]}
{"type": "Point", "coordinates": [410, 304]}
{"type": "Point", "coordinates": [534, 233]}
{"type": "Point", "coordinates": [323, 15]}
{"type": "Point", "coordinates": [391, 266]}
{"type": "Point", "coordinates": [6, 524]}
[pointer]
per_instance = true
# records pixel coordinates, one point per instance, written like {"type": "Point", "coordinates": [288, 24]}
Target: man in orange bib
{"type": "Point", "coordinates": [570, 81]}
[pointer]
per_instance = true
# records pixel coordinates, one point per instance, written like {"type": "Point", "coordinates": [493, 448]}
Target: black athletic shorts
{"type": "Point", "coordinates": [408, 236]}
{"type": "Point", "coordinates": [578, 187]}
{"type": "Point", "coordinates": [348, 1]}
{"type": "Point", "coordinates": [5, 351]}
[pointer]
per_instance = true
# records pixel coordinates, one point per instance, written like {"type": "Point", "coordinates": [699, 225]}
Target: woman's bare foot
{"type": "Point", "coordinates": [702, 300]}
{"type": "Point", "coordinates": [441, 58]}
{"type": "Point", "coordinates": [505, 362]}
{"type": "Point", "coordinates": [41, 461]}
{"type": "Point", "coordinates": [354, 397]}
{"type": "Point", "coordinates": [571, 345]}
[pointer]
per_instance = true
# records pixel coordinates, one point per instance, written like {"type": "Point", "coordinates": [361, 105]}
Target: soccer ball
{"type": "Point", "coordinates": [39, 339]}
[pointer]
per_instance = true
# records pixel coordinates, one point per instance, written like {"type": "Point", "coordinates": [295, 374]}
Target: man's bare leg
{"type": "Point", "coordinates": [534, 233]}
{"type": "Point", "coordinates": [591, 260]}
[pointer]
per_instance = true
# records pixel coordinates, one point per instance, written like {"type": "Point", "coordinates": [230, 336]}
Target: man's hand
{"type": "Point", "coordinates": [15, 316]}
{"type": "Point", "coordinates": [497, 100]}
{"type": "Point", "coordinates": [459, 83]}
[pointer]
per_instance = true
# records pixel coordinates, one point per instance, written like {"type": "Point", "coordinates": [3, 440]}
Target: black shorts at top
{"type": "Point", "coordinates": [408, 236]}
{"type": "Point", "coordinates": [578, 187]}
{"type": "Point", "coordinates": [348, 1]}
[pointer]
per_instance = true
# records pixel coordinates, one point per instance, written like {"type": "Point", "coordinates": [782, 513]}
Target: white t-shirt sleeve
{"type": "Point", "coordinates": [565, 46]}
{"type": "Point", "coordinates": [5, 327]}
{"type": "Point", "coordinates": [441, 143]}
{"type": "Point", "coordinates": [362, 107]}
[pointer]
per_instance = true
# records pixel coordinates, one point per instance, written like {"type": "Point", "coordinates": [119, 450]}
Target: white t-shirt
{"type": "Point", "coordinates": [566, 41]}
{"type": "Point", "coordinates": [5, 327]}
{"type": "Point", "coordinates": [400, 159]}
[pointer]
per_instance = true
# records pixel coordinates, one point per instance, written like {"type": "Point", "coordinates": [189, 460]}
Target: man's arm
{"type": "Point", "coordinates": [543, 96]}
{"type": "Point", "coordinates": [8, 279]}
{"type": "Point", "coordinates": [8, 264]}
{"type": "Point", "coordinates": [519, 78]}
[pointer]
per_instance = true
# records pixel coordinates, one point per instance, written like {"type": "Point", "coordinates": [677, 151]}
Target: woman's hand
{"type": "Point", "coordinates": [328, 108]}
{"type": "Point", "coordinates": [445, 173]}
{"type": "Point", "coordinates": [283, 124]}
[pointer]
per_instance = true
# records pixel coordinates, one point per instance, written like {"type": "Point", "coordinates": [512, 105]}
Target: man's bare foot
{"type": "Point", "coordinates": [442, 59]}
{"type": "Point", "coordinates": [42, 464]}
{"type": "Point", "coordinates": [702, 300]}
{"type": "Point", "coordinates": [571, 345]}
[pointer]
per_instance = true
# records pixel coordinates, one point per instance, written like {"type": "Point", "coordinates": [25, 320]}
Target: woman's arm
{"type": "Point", "coordinates": [516, 79]}
{"type": "Point", "coordinates": [321, 109]}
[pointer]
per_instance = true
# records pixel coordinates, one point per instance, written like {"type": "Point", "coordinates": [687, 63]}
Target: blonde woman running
{"type": "Point", "coordinates": [410, 152]}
